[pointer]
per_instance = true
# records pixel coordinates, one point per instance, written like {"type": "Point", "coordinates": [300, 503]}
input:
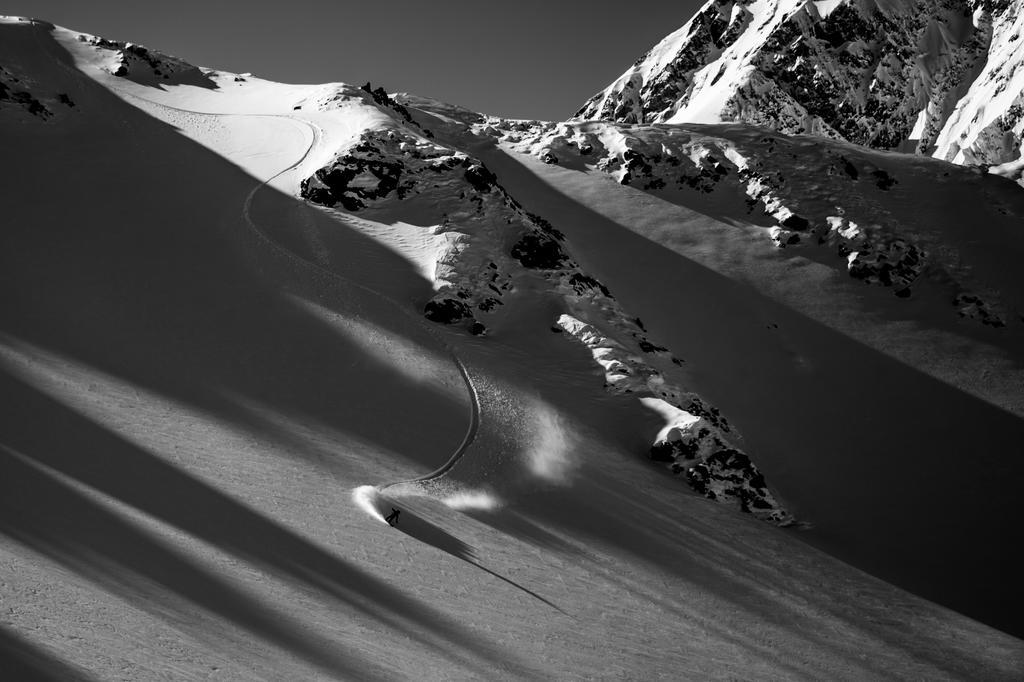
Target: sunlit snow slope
{"type": "Point", "coordinates": [212, 391]}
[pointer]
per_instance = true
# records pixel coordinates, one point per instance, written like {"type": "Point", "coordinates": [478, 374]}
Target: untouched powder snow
{"type": "Point", "coordinates": [207, 385]}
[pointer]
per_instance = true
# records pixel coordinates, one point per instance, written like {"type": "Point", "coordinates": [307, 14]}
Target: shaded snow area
{"type": "Point", "coordinates": [936, 76]}
{"type": "Point", "coordinates": [864, 212]}
{"type": "Point", "coordinates": [23, 97]}
{"type": "Point", "coordinates": [693, 440]}
{"type": "Point", "coordinates": [845, 309]}
{"type": "Point", "coordinates": [322, 382]}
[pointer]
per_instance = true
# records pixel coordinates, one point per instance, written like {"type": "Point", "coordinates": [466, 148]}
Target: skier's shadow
{"type": "Point", "coordinates": [417, 527]}
{"type": "Point", "coordinates": [421, 529]}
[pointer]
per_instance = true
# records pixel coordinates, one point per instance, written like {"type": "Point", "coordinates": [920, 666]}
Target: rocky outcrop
{"type": "Point", "coordinates": [14, 93]}
{"type": "Point", "coordinates": [695, 440]}
{"type": "Point", "coordinates": [656, 159]}
{"type": "Point", "coordinates": [387, 168]}
{"type": "Point", "coordinates": [826, 196]}
{"type": "Point", "coordinates": [149, 67]}
{"type": "Point", "coordinates": [381, 98]}
{"type": "Point", "coordinates": [397, 173]}
{"type": "Point", "coordinates": [22, 95]}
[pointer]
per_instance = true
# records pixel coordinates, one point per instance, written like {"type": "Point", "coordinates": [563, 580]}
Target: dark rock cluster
{"type": "Point", "coordinates": [379, 175]}
{"type": "Point", "coordinates": [889, 262]}
{"type": "Point", "coordinates": [394, 165]}
{"type": "Point", "coordinates": [719, 472]}
{"type": "Point", "coordinates": [447, 311]}
{"type": "Point", "coordinates": [536, 250]}
{"type": "Point", "coordinates": [149, 67]}
{"type": "Point", "coordinates": [380, 97]}
{"type": "Point", "coordinates": [972, 306]}
{"type": "Point", "coordinates": [654, 161]}
{"type": "Point", "coordinates": [15, 92]}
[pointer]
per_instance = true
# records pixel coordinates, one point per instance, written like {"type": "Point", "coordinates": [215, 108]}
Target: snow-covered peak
{"type": "Point", "coordinates": [932, 76]}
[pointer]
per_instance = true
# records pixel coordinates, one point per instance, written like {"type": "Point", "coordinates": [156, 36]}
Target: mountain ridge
{"type": "Point", "coordinates": [937, 77]}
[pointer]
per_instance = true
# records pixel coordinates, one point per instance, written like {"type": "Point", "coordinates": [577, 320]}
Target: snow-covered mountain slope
{"type": "Point", "coordinates": [941, 77]}
{"type": "Point", "coordinates": [198, 368]}
{"type": "Point", "coordinates": [837, 303]}
{"type": "Point", "coordinates": [494, 248]}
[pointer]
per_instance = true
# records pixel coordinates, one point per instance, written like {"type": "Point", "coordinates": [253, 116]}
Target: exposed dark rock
{"type": "Point", "coordinates": [698, 477]}
{"type": "Point", "coordinates": [648, 347]}
{"type": "Point", "coordinates": [662, 451]}
{"type": "Point", "coordinates": [489, 304]}
{"type": "Point", "coordinates": [378, 177]}
{"type": "Point", "coordinates": [481, 177]}
{"type": "Point", "coordinates": [883, 179]}
{"type": "Point", "coordinates": [849, 168]}
{"type": "Point", "coordinates": [795, 222]}
{"type": "Point", "coordinates": [635, 163]}
{"type": "Point", "coordinates": [538, 251]}
{"type": "Point", "coordinates": [974, 307]}
{"type": "Point", "coordinates": [446, 311]}
{"type": "Point", "coordinates": [381, 97]}
{"type": "Point", "coordinates": [581, 283]}
{"type": "Point", "coordinates": [545, 226]}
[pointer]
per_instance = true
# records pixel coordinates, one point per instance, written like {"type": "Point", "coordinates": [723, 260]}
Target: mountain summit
{"type": "Point", "coordinates": [938, 77]}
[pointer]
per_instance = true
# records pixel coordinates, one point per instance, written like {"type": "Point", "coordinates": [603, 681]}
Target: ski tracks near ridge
{"type": "Point", "coordinates": [265, 249]}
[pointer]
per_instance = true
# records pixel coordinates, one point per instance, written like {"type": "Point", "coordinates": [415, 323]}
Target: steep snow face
{"type": "Point", "coordinates": [987, 125]}
{"type": "Point", "coordinates": [23, 98]}
{"type": "Point", "coordinates": [884, 74]}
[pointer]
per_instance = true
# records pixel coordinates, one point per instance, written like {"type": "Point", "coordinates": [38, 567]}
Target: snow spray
{"type": "Point", "coordinates": [365, 497]}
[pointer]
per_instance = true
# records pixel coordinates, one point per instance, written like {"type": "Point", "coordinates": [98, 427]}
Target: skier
{"type": "Point", "coordinates": [392, 518]}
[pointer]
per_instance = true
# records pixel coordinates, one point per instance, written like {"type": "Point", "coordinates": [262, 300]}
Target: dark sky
{"type": "Point", "coordinates": [521, 59]}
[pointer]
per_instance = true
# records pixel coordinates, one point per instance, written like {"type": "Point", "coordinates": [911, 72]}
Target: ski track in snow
{"type": "Point", "coordinates": [360, 495]}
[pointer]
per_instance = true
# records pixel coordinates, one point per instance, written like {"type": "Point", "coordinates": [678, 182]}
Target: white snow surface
{"type": "Point", "coordinates": [212, 392]}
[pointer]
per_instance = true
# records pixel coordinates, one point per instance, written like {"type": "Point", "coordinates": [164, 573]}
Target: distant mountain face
{"type": "Point", "coordinates": [938, 77]}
